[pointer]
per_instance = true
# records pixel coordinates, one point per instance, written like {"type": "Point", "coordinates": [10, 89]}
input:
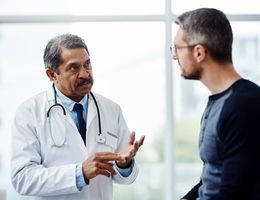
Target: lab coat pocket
{"type": "Point", "coordinates": [111, 139]}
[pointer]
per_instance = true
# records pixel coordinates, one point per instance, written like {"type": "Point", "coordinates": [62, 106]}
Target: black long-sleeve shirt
{"type": "Point", "coordinates": [230, 145]}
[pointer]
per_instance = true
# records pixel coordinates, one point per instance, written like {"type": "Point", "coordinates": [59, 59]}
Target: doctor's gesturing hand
{"type": "Point", "coordinates": [100, 164]}
{"type": "Point", "coordinates": [130, 150]}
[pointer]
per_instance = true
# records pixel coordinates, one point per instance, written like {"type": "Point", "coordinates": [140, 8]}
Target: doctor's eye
{"type": "Point", "coordinates": [73, 67]}
{"type": "Point", "coordinates": [87, 64]}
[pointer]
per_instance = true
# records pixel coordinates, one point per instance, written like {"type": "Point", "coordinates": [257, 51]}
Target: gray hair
{"type": "Point", "coordinates": [211, 28]}
{"type": "Point", "coordinates": [52, 53]}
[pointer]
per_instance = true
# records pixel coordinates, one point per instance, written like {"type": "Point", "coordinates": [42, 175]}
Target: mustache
{"type": "Point", "coordinates": [84, 81]}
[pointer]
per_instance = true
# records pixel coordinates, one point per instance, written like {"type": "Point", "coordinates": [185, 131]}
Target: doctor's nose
{"type": "Point", "coordinates": [84, 72]}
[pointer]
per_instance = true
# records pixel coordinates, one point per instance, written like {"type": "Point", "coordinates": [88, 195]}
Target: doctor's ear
{"type": "Point", "coordinates": [51, 74]}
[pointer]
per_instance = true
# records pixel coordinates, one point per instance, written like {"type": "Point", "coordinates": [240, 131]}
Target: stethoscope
{"type": "Point", "coordinates": [100, 138]}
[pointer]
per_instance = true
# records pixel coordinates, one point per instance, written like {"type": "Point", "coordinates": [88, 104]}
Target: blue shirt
{"type": "Point", "coordinates": [69, 104]}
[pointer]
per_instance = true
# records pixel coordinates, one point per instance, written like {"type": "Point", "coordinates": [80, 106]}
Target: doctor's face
{"type": "Point", "coordinates": [74, 78]}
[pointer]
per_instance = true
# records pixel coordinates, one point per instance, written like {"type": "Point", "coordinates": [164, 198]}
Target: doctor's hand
{"type": "Point", "coordinates": [100, 164]}
{"type": "Point", "coordinates": [130, 150]}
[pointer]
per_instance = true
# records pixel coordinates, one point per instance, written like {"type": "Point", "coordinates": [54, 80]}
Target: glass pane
{"type": "Point", "coordinates": [246, 53]}
{"type": "Point", "coordinates": [191, 98]}
{"type": "Point", "coordinates": [128, 67]}
{"type": "Point", "coordinates": [241, 7]}
{"type": "Point", "coordinates": [81, 7]}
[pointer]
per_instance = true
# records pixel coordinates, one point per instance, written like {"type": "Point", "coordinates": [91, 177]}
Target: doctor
{"type": "Point", "coordinates": [67, 142]}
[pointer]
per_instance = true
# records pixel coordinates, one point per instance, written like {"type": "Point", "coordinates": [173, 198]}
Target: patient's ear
{"type": "Point", "coordinates": [200, 53]}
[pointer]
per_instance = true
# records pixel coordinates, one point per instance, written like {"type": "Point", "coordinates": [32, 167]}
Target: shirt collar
{"type": "Point", "coordinates": [68, 103]}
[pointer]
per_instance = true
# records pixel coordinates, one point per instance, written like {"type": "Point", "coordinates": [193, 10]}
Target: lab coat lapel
{"type": "Point", "coordinates": [92, 111]}
{"type": "Point", "coordinates": [50, 96]}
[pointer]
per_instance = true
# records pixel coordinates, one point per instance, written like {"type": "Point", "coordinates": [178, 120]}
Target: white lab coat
{"type": "Point", "coordinates": [44, 171]}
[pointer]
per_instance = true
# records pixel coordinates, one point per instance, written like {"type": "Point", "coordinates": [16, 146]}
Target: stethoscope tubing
{"type": "Point", "coordinates": [99, 120]}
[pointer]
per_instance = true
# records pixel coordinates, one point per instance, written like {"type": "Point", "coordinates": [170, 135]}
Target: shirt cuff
{"type": "Point", "coordinates": [126, 171]}
{"type": "Point", "coordinates": [80, 180]}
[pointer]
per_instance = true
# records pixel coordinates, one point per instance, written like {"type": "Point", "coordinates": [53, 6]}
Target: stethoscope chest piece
{"type": "Point", "coordinates": [100, 139]}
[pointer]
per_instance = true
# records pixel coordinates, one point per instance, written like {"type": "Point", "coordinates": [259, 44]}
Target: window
{"type": "Point", "coordinates": [129, 48]}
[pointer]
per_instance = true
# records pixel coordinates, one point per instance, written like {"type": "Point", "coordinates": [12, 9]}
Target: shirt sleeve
{"type": "Point", "coordinates": [240, 141]}
{"type": "Point", "coordinates": [126, 171]}
{"type": "Point", "coordinates": [80, 180]}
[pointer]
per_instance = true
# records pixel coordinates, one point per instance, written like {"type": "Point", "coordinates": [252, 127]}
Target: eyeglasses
{"type": "Point", "coordinates": [174, 49]}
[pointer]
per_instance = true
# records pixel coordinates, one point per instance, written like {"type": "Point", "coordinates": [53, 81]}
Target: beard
{"type": "Point", "coordinates": [195, 75]}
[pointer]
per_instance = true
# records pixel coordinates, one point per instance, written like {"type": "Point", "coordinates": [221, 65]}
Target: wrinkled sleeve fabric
{"type": "Point", "coordinates": [80, 180]}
